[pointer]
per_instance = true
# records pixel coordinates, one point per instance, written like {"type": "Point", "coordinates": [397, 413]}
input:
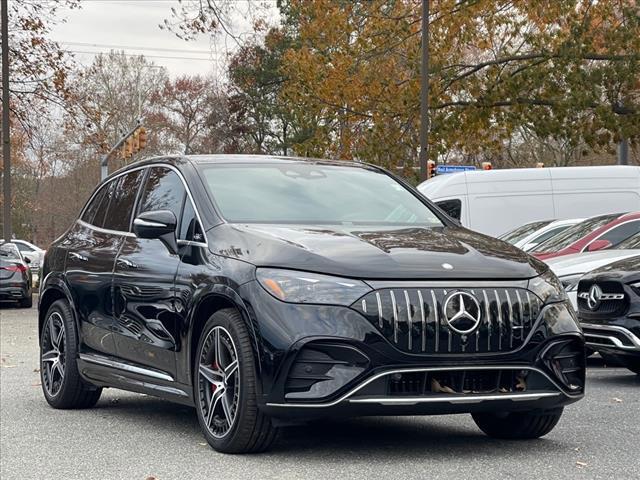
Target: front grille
{"type": "Point", "coordinates": [413, 319]}
{"type": "Point", "coordinates": [606, 308]}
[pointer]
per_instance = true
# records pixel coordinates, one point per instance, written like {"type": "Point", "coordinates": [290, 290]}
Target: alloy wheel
{"type": "Point", "coordinates": [219, 381]}
{"type": "Point", "coordinates": [52, 359]}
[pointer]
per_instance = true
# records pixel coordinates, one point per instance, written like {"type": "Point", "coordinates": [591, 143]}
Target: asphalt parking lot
{"type": "Point", "coordinates": [130, 436]}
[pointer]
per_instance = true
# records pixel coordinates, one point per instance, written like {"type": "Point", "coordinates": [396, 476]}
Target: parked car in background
{"type": "Point", "coordinates": [593, 234]}
{"type": "Point", "coordinates": [264, 289]}
{"type": "Point", "coordinates": [15, 276]}
{"type": "Point", "coordinates": [570, 268]}
{"type": "Point", "coordinates": [497, 201]}
{"type": "Point", "coordinates": [28, 250]}
{"type": "Point", "coordinates": [529, 238]}
{"type": "Point", "coordinates": [609, 311]}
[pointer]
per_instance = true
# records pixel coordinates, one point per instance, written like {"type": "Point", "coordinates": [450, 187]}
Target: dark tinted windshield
{"type": "Point", "coordinates": [517, 234]}
{"type": "Point", "coordinates": [630, 243]}
{"type": "Point", "coordinates": [574, 233]}
{"type": "Point", "coordinates": [308, 193]}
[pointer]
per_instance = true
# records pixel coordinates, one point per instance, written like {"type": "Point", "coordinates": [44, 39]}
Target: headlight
{"type": "Point", "coordinates": [548, 288]}
{"type": "Point", "coordinates": [635, 285]}
{"type": "Point", "coordinates": [301, 287]}
{"type": "Point", "coordinates": [570, 282]}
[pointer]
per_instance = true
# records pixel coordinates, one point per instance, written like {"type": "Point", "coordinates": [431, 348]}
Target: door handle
{"type": "Point", "coordinates": [78, 256]}
{"type": "Point", "coordinates": [123, 262]}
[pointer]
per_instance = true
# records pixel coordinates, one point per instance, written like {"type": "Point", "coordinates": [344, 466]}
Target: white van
{"type": "Point", "coordinates": [495, 201]}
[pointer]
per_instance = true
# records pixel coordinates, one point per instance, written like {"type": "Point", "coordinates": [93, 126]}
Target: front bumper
{"type": "Point", "coordinates": [618, 339]}
{"type": "Point", "coordinates": [322, 360]}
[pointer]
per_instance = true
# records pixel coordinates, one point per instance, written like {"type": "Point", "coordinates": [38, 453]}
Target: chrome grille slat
{"type": "Point", "coordinates": [507, 317]}
{"type": "Point", "coordinates": [394, 308]}
{"type": "Point", "coordinates": [423, 322]}
{"type": "Point", "coordinates": [409, 321]}
{"type": "Point", "coordinates": [436, 320]}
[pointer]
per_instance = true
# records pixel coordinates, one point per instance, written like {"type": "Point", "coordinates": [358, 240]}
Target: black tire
{"type": "Point", "coordinates": [27, 302]}
{"type": "Point", "coordinates": [518, 425]}
{"type": "Point", "coordinates": [63, 388]}
{"type": "Point", "coordinates": [249, 431]}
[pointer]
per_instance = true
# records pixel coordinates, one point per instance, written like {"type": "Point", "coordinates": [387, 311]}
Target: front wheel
{"type": "Point", "coordinates": [226, 387]}
{"type": "Point", "coordinates": [518, 425]}
{"type": "Point", "coordinates": [27, 302]}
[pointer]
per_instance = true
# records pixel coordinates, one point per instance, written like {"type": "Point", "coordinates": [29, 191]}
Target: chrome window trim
{"type": "Point", "coordinates": [442, 399]}
{"type": "Point", "coordinates": [607, 231]}
{"type": "Point", "coordinates": [131, 234]}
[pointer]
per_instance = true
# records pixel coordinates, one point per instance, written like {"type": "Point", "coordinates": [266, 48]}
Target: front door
{"type": "Point", "coordinates": [143, 283]}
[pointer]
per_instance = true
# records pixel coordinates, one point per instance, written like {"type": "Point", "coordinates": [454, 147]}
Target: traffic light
{"type": "Point", "coordinates": [142, 138]}
{"type": "Point", "coordinates": [487, 166]}
{"type": "Point", "coordinates": [127, 149]}
{"type": "Point", "coordinates": [540, 165]}
{"type": "Point", "coordinates": [431, 169]}
{"type": "Point", "coordinates": [135, 142]}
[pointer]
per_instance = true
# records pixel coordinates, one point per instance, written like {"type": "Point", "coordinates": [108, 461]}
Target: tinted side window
{"type": "Point", "coordinates": [189, 226]}
{"type": "Point", "coordinates": [621, 232]}
{"type": "Point", "coordinates": [101, 209]}
{"type": "Point", "coordinates": [90, 212]}
{"type": "Point", "coordinates": [452, 207]}
{"type": "Point", "coordinates": [121, 207]}
{"type": "Point", "coordinates": [163, 190]}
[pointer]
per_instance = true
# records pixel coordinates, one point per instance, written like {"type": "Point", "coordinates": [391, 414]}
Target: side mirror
{"type": "Point", "coordinates": [27, 260]}
{"type": "Point", "coordinates": [157, 224]}
{"type": "Point", "coordinates": [598, 245]}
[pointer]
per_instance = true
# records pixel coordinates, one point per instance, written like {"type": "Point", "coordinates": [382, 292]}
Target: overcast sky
{"type": "Point", "coordinates": [132, 26]}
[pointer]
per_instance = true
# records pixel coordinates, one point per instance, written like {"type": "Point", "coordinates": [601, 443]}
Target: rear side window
{"type": "Point", "coordinates": [452, 207]}
{"type": "Point", "coordinates": [101, 208]}
{"type": "Point", "coordinates": [621, 232]}
{"type": "Point", "coordinates": [91, 209]}
{"type": "Point", "coordinates": [163, 190]}
{"type": "Point", "coordinates": [123, 201]}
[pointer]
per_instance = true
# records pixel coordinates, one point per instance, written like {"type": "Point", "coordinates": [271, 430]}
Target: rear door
{"type": "Point", "coordinates": [144, 297]}
{"type": "Point", "coordinates": [91, 253]}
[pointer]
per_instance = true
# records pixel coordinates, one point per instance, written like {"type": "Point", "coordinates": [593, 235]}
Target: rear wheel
{"type": "Point", "coordinates": [518, 425]}
{"type": "Point", "coordinates": [61, 382]}
{"type": "Point", "coordinates": [226, 387]}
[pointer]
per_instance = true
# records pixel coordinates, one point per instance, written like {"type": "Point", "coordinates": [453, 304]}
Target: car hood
{"type": "Point", "coordinates": [580, 263]}
{"type": "Point", "coordinates": [375, 252]}
{"type": "Point", "coordinates": [626, 270]}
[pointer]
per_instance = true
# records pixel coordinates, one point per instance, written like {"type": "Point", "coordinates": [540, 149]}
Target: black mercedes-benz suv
{"type": "Point", "coordinates": [265, 290]}
{"type": "Point", "coordinates": [609, 311]}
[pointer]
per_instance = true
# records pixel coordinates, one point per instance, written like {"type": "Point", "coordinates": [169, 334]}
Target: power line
{"type": "Point", "coordinates": [133, 47]}
{"type": "Point", "coordinates": [141, 55]}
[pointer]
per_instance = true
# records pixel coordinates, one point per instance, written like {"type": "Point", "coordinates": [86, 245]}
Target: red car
{"type": "Point", "coordinates": [595, 233]}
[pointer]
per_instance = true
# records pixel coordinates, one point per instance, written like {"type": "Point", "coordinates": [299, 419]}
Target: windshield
{"type": "Point", "coordinates": [517, 234]}
{"type": "Point", "coordinates": [307, 193]}
{"type": "Point", "coordinates": [630, 243]}
{"type": "Point", "coordinates": [574, 233]}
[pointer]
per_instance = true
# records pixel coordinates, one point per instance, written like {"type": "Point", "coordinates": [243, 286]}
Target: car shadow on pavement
{"type": "Point", "coordinates": [399, 437]}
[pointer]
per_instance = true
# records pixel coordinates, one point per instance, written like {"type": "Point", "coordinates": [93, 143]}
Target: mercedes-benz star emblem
{"type": "Point", "coordinates": [462, 312]}
{"type": "Point", "coordinates": [595, 295]}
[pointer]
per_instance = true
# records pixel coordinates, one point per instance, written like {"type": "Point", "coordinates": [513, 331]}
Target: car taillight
{"type": "Point", "coordinates": [15, 268]}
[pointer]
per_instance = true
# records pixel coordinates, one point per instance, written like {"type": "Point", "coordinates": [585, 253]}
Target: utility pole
{"type": "Point", "coordinates": [424, 94]}
{"type": "Point", "coordinates": [6, 141]}
{"type": "Point", "coordinates": [623, 151]}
